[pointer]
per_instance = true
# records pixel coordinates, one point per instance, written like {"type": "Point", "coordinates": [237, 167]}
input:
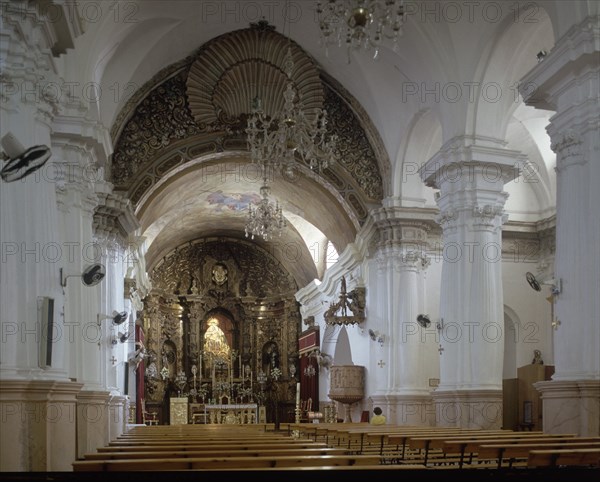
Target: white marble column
{"type": "Point", "coordinates": [113, 223]}
{"type": "Point", "coordinates": [38, 400]}
{"type": "Point", "coordinates": [401, 261]}
{"type": "Point", "coordinates": [29, 234]}
{"type": "Point", "coordinates": [567, 81]}
{"type": "Point", "coordinates": [471, 179]}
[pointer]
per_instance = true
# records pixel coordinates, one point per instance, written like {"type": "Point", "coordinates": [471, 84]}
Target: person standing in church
{"type": "Point", "coordinates": [378, 418]}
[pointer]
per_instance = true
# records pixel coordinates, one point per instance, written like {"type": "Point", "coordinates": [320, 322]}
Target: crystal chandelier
{"type": "Point", "coordinates": [361, 24]}
{"type": "Point", "coordinates": [276, 142]}
{"type": "Point", "coordinates": [265, 218]}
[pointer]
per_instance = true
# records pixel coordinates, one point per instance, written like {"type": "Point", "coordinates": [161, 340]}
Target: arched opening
{"type": "Point", "coordinates": [510, 386]}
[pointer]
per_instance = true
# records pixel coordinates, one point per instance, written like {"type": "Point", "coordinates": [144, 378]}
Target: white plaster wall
{"type": "Point", "coordinates": [534, 329]}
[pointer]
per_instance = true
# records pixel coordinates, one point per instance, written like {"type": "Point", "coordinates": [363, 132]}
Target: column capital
{"type": "Point", "coordinates": [400, 241]}
{"type": "Point", "coordinates": [114, 216]}
{"type": "Point", "coordinates": [568, 146]}
{"type": "Point", "coordinates": [401, 259]}
{"type": "Point", "coordinates": [395, 227]}
{"type": "Point", "coordinates": [471, 162]}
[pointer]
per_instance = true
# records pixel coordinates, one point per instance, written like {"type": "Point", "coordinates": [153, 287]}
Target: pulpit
{"type": "Point", "coordinates": [178, 411]}
{"type": "Point", "coordinates": [347, 386]}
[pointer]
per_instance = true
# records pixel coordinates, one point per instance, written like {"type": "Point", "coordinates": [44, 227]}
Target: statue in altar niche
{"type": "Point", "coordinates": [270, 357]}
{"type": "Point", "coordinates": [219, 274]}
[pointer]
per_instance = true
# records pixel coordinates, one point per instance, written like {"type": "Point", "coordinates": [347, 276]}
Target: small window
{"type": "Point", "coordinates": [331, 256]}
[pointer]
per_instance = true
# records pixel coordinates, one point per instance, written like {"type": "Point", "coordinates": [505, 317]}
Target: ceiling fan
{"type": "Point", "coordinates": [21, 161]}
{"type": "Point", "coordinates": [555, 285]}
{"type": "Point", "coordinates": [423, 320]}
{"type": "Point", "coordinates": [91, 276]}
{"type": "Point", "coordinates": [376, 336]}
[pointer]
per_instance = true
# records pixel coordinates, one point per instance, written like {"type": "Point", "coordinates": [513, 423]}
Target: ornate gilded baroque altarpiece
{"type": "Point", "coordinates": [250, 295]}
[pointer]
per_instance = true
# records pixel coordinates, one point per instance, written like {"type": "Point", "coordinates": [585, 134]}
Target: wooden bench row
{"type": "Point", "coordinates": [228, 463]}
{"type": "Point", "coordinates": [165, 448]}
{"type": "Point", "coordinates": [249, 445]}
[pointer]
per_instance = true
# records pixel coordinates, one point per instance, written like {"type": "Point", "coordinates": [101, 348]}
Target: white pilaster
{"type": "Point", "coordinates": [93, 420]}
{"type": "Point", "coordinates": [76, 202]}
{"type": "Point", "coordinates": [117, 408]}
{"type": "Point", "coordinates": [401, 261]}
{"type": "Point", "coordinates": [29, 234]}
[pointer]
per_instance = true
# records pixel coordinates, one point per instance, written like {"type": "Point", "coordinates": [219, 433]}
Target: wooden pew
{"type": "Point", "coordinates": [564, 457]}
{"type": "Point", "coordinates": [435, 439]}
{"type": "Point", "coordinates": [471, 445]}
{"type": "Point", "coordinates": [212, 446]}
{"type": "Point", "coordinates": [183, 442]}
{"type": "Point", "coordinates": [168, 464]}
{"type": "Point", "coordinates": [397, 437]}
{"type": "Point", "coordinates": [209, 452]}
{"type": "Point", "coordinates": [512, 451]}
{"type": "Point", "coordinates": [208, 439]}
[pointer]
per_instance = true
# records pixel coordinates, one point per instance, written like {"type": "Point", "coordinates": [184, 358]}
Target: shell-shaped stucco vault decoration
{"type": "Point", "coordinates": [233, 69]}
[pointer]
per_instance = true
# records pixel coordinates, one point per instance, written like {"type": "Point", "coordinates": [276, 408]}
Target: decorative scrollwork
{"type": "Point", "coordinates": [162, 117]}
{"type": "Point", "coordinates": [354, 151]}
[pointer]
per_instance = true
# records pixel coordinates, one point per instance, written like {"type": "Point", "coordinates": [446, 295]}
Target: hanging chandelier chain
{"type": "Point", "coordinates": [278, 142]}
{"type": "Point", "coordinates": [360, 24]}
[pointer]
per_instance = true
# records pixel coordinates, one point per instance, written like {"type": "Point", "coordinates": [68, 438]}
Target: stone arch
{"type": "Point", "coordinates": [173, 120]}
{"type": "Point", "coordinates": [512, 323]}
{"type": "Point", "coordinates": [424, 139]}
{"type": "Point", "coordinates": [503, 63]}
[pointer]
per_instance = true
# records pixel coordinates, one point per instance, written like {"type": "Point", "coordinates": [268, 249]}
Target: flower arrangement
{"type": "Point", "coordinates": [222, 386]}
{"type": "Point", "coordinates": [203, 391]}
{"type": "Point", "coordinates": [245, 392]}
{"type": "Point", "coordinates": [275, 373]}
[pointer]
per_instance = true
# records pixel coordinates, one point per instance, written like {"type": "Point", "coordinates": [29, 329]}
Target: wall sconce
{"type": "Point", "coordinates": [310, 371]}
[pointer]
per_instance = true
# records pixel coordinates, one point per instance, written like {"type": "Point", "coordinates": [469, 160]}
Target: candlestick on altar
{"type": "Point", "coordinates": [298, 395]}
{"type": "Point", "coordinates": [213, 377]}
{"type": "Point", "coordinates": [200, 365]}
